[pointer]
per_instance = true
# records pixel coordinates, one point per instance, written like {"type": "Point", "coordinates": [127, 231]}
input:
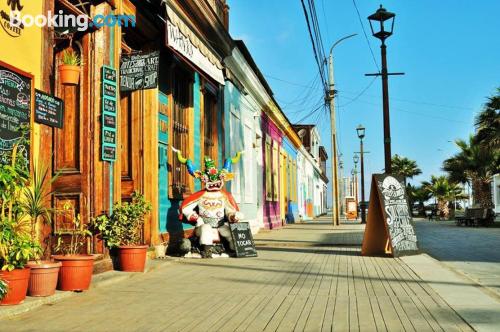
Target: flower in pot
{"type": "Point", "coordinates": [16, 247]}
{"type": "Point", "coordinates": [69, 70]}
{"type": "Point", "coordinates": [123, 230]}
{"type": "Point", "coordinates": [76, 270]}
{"type": "Point", "coordinates": [44, 273]}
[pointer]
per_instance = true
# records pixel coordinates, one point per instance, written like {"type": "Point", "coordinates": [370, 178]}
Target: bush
{"type": "Point", "coordinates": [124, 226]}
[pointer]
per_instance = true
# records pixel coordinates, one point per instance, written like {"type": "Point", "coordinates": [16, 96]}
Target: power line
{"type": "Point", "coordinates": [366, 36]}
{"type": "Point", "coordinates": [360, 93]}
{"type": "Point", "coordinates": [319, 61]}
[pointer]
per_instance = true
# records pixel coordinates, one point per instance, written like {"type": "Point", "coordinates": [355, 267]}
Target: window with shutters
{"type": "Point", "coordinates": [268, 166]}
{"type": "Point", "coordinates": [182, 103]}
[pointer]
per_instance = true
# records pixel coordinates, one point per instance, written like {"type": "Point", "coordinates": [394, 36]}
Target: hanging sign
{"type": "Point", "coordinates": [108, 107]}
{"type": "Point", "coordinates": [243, 240]}
{"type": "Point", "coordinates": [15, 110]}
{"type": "Point", "coordinates": [49, 109]}
{"type": "Point", "coordinates": [139, 71]}
{"type": "Point", "coordinates": [389, 229]}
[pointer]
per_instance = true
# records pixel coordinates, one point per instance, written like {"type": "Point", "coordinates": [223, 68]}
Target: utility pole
{"type": "Point", "coordinates": [331, 99]}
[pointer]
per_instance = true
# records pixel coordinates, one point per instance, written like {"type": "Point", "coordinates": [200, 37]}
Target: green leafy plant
{"type": "Point", "coordinates": [34, 199]}
{"type": "Point", "coordinates": [124, 226]}
{"type": "Point", "coordinates": [71, 58]}
{"type": "Point", "coordinates": [16, 247]}
{"type": "Point", "coordinates": [4, 288]}
{"type": "Point", "coordinates": [78, 235]}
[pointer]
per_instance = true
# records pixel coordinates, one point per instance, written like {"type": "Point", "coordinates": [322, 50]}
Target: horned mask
{"type": "Point", "coordinates": [212, 178]}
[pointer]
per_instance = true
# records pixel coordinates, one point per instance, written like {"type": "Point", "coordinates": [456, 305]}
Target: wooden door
{"type": "Point", "coordinates": [130, 142]}
{"type": "Point", "coordinates": [71, 145]}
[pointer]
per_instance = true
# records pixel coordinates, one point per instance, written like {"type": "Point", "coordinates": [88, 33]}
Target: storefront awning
{"type": "Point", "coordinates": [182, 39]}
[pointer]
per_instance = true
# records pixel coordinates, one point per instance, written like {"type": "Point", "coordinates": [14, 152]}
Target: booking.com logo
{"type": "Point", "coordinates": [62, 20]}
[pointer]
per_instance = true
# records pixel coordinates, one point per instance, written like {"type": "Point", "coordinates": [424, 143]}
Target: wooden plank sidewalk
{"type": "Point", "coordinates": [284, 289]}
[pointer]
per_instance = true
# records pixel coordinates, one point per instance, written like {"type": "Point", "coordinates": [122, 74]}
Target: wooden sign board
{"type": "Point", "coordinates": [139, 71]}
{"type": "Point", "coordinates": [49, 109]}
{"type": "Point", "coordinates": [16, 102]}
{"type": "Point", "coordinates": [243, 240]}
{"type": "Point", "coordinates": [389, 229]}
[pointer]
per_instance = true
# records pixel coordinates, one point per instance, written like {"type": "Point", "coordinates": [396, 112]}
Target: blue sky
{"type": "Point", "coordinates": [449, 50]}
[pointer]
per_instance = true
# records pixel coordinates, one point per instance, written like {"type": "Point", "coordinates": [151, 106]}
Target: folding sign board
{"type": "Point", "coordinates": [389, 229]}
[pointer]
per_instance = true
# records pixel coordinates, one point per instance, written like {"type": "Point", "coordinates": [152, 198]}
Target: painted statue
{"type": "Point", "coordinates": [211, 209]}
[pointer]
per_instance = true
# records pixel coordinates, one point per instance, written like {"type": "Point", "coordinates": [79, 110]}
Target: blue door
{"type": "Point", "coordinates": [163, 201]}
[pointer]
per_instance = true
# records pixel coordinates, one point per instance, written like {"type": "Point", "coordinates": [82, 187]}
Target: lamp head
{"type": "Point", "coordinates": [361, 131]}
{"type": "Point", "coordinates": [377, 23]}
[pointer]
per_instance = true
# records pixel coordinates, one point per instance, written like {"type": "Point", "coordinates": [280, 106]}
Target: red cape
{"type": "Point", "coordinates": [198, 194]}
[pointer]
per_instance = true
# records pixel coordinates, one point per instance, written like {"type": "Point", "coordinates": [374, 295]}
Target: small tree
{"type": "Point", "coordinates": [443, 190]}
{"type": "Point", "coordinates": [404, 167]}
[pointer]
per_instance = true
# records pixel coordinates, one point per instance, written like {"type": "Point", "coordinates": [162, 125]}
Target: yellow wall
{"type": "Point", "coordinates": [24, 51]}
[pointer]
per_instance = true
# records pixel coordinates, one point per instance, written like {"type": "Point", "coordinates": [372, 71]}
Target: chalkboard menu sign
{"type": "Point", "coordinates": [108, 106]}
{"type": "Point", "coordinates": [49, 110]}
{"type": "Point", "coordinates": [243, 240]}
{"type": "Point", "coordinates": [15, 110]}
{"type": "Point", "coordinates": [389, 228]}
{"type": "Point", "coordinates": [139, 71]}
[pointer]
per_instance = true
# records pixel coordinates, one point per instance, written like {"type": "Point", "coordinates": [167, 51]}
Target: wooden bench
{"type": "Point", "coordinates": [475, 217]}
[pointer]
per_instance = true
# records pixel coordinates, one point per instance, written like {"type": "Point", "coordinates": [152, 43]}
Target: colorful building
{"type": "Point", "coordinates": [116, 132]}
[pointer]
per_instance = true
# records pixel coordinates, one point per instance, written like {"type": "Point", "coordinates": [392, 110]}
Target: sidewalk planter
{"type": "Point", "coordinates": [132, 258]}
{"type": "Point", "coordinates": [17, 281]}
{"type": "Point", "coordinates": [75, 273]}
{"type": "Point", "coordinates": [69, 75]}
{"type": "Point", "coordinates": [43, 278]}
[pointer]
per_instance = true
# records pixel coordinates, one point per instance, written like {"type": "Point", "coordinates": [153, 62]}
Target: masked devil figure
{"type": "Point", "coordinates": [211, 209]}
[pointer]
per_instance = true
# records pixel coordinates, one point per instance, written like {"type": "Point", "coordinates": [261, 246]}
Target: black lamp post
{"type": "Point", "coordinates": [361, 134]}
{"type": "Point", "coordinates": [382, 31]}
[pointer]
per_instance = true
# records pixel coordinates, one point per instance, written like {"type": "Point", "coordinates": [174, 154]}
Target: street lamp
{"type": "Point", "coordinates": [361, 134]}
{"type": "Point", "coordinates": [331, 95]}
{"type": "Point", "coordinates": [381, 31]}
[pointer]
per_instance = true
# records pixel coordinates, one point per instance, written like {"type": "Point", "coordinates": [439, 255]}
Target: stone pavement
{"type": "Point", "coordinates": [298, 282]}
{"type": "Point", "coordinates": [473, 251]}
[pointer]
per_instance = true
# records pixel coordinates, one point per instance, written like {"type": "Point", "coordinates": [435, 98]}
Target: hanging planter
{"type": "Point", "coordinates": [69, 71]}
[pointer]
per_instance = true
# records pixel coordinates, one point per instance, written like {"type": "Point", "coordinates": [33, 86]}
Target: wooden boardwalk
{"type": "Point", "coordinates": [286, 288]}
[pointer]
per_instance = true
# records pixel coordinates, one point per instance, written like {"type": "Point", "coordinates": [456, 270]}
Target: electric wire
{"type": "Point", "coordinates": [366, 36]}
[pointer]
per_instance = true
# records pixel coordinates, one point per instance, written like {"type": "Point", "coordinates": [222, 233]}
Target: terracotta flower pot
{"type": "Point", "coordinates": [69, 75]}
{"type": "Point", "coordinates": [132, 258]}
{"type": "Point", "coordinates": [17, 281]}
{"type": "Point", "coordinates": [75, 273]}
{"type": "Point", "coordinates": [43, 279]}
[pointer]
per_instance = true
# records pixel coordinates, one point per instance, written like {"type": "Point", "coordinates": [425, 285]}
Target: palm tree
{"type": "Point", "coordinates": [404, 167]}
{"type": "Point", "coordinates": [443, 190]}
{"type": "Point", "coordinates": [474, 164]}
{"type": "Point", "coordinates": [488, 123]}
{"type": "Point", "coordinates": [420, 195]}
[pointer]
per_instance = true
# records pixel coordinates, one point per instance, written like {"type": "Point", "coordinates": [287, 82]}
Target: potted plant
{"type": "Point", "coordinates": [3, 288]}
{"type": "Point", "coordinates": [123, 230]}
{"type": "Point", "coordinates": [69, 70]}
{"type": "Point", "coordinates": [76, 270]}
{"type": "Point", "coordinates": [44, 273]}
{"type": "Point", "coordinates": [16, 247]}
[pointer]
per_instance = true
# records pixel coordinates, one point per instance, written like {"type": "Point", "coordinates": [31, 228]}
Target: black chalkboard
{"type": "Point", "coordinates": [49, 110]}
{"type": "Point", "coordinates": [389, 227]}
{"type": "Point", "coordinates": [15, 110]}
{"type": "Point", "coordinates": [243, 240]}
{"type": "Point", "coordinates": [139, 71]}
{"type": "Point", "coordinates": [108, 152]}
